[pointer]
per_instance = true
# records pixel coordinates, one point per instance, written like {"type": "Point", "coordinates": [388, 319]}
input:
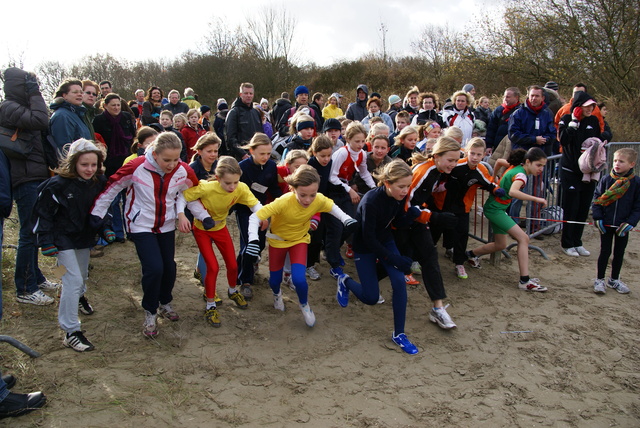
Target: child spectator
{"type": "Point", "coordinates": [616, 210]}
{"type": "Point", "coordinates": [303, 128]}
{"type": "Point", "coordinates": [405, 144]}
{"type": "Point", "coordinates": [290, 217]}
{"type": "Point", "coordinates": [523, 163]}
{"type": "Point", "coordinates": [429, 131]}
{"type": "Point", "coordinates": [63, 229]}
{"type": "Point", "coordinates": [192, 131]}
{"type": "Point", "coordinates": [403, 119]}
{"type": "Point", "coordinates": [166, 121]}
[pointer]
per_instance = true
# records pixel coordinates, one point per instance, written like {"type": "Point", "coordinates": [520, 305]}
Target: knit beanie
{"type": "Point", "coordinates": [300, 90]}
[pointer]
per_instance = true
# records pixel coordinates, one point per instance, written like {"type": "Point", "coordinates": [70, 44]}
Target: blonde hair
{"type": "Point", "coordinates": [454, 132]}
{"type": "Point", "coordinates": [392, 172]}
{"type": "Point", "coordinates": [165, 141]}
{"type": "Point", "coordinates": [258, 139]}
{"type": "Point", "coordinates": [299, 117]}
{"type": "Point", "coordinates": [467, 95]}
{"type": "Point", "coordinates": [193, 111]}
{"type": "Point", "coordinates": [630, 154]}
{"type": "Point", "coordinates": [293, 155]}
{"type": "Point", "coordinates": [476, 142]}
{"type": "Point", "coordinates": [320, 143]}
{"type": "Point", "coordinates": [182, 117]}
{"type": "Point", "coordinates": [227, 165]}
{"type": "Point", "coordinates": [208, 139]}
{"type": "Point", "coordinates": [407, 130]}
{"type": "Point", "coordinates": [306, 175]}
{"type": "Point", "coordinates": [479, 101]}
{"type": "Point", "coordinates": [377, 128]}
{"type": "Point", "coordinates": [443, 145]}
{"type": "Point", "coordinates": [353, 129]}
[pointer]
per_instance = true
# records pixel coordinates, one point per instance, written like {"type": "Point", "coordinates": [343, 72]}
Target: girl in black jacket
{"type": "Point", "coordinates": [63, 229]}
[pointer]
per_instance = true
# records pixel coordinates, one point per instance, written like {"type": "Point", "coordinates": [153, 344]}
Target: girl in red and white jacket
{"type": "Point", "coordinates": [345, 162]}
{"type": "Point", "coordinates": [154, 184]}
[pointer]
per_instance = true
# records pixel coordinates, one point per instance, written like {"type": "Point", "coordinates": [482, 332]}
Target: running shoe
{"type": "Point", "coordinates": [410, 280]}
{"type": "Point", "coordinates": [380, 300]}
{"type": "Point", "coordinates": [35, 298]}
{"type": "Point", "coordinates": [307, 313]}
{"type": "Point", "coordinates": [84, 306]}
{"type": "Point", "coordinates": [583, 251]}
{"type": "Point", "coordinates": [462, 274]}
{"type": "Point", "coordinates": [239, 299]}
{"type": "Point", "coordinates": [48, 285]}
{"type": "Point", "coordinates": [77, 342]}
{"type": "Point", "coordinates": [416, 269]}
{"type": "Point", "coordinates": [570, 252]}
{"type": "Point", "coordinates": [474, 261]}
{"type": "Point", "coordinates": [247, 292]}
{"type": "Point", "coordinates": [532, 285]}
{"type": "Point", "coordinates": [166, 311]}
{"type": "Point", "coordinates": [599, 286]}
{"type": "Point", "coordinates": [278, 303]}
{"type": "Point", "coordinates": [286, 280]}
{"type": "Point", "coordinates": [336, 272]}
{"type": "Point", "coordinates": [212, 316]}
{"type": "Point", "coordinates": [349, 252]}
{"type": "Point", "coordinates": [618, 285]}
{"type": "Point", "coordinates": [150, 326]}
{"type": "Point", "coordinates": [312, 273]}
{"type": "Point", "coordinates": [342, 295]}
{"type": "Point", "coordinates": [441, 317]}
{"type": "Point", "coordinates": [403, 342]}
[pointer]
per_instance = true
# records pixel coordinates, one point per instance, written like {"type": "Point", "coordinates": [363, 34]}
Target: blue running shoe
{"type": "Point", "coordinates": [336, 272]}
{"type": "Point", "coordinates": [342, 295]}
{"type": "Point", "coordinates": [403, 342]}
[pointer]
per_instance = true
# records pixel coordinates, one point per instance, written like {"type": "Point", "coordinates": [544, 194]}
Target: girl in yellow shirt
{"type": "Point", "coordinates": [290, 217]}
{"type": "Point", "coordinates": [218, 197]}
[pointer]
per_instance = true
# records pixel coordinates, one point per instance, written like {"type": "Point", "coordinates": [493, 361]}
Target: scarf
{"type": "Point", "coordinates": [508, 109]}
{"type": "Point", "coordinates": [120, 143]}
{"type": "Point", "coordinates": [536, 110]}
{"type": "Point", "coordinates": [616, 190]}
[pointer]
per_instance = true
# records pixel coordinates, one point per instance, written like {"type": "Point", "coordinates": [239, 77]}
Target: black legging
{"type": "Point", "coordinates": [606, 242]}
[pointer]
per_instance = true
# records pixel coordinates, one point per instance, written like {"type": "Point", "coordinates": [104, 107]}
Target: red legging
{"type": "Point", "coordinates": [223, 241]}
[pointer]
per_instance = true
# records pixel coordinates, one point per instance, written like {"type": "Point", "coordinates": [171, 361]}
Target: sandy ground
{"type": "Point", "coordinates": [579, 366]}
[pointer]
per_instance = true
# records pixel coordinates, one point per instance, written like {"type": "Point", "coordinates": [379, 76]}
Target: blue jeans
{"type": "Point", "coordinates": [28, 275]}
{"type": "Point", "coordinates": [3, 389]}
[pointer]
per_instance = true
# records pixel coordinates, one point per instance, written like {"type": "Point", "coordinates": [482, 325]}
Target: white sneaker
{"type": "Point", "coordinates": [599, 286]}
{"type": "Point", "coordinates": [570, 252]}
{"type": "Point", "coordinates": [532, 285]}
{"type": "Point", "coordinates": [150, 326]}
{"type": "Point", "coordinates": [312, 273]}
{"type": "Point", "coordinates": [582, 251]}
{"type": "Point", "coordinates": [35, 298]}
{"type": "Point", "coordinates": [618, 285]}
{"type": "Point", "coordinates": [77, 341]}
{"type": "Point", "coordinates": [380, 300]}
{"type": "Point", "coordinates": [278, 303]}
{"type": "Point", "coordinates": [48, 285]}
{"type": "Point", "coordinates": [307, 313]}
{"type": "Point", "coordinates": [441, 317]}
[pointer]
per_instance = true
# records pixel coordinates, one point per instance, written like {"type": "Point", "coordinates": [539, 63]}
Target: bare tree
{"type": "Point", "coordinates": [383, 38]}
{"type": "Point", "coordinates": [269, 34]}
{"type": "Point", "coordinates": [439, 46]}
{"type": "Point", "coordinates": [221, 42]}
{"type": "Point", "coordinates": [50, 74]}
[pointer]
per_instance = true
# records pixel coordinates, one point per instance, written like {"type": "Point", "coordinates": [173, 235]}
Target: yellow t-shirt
{"type": "Point", "coordinates": [218, 201]}
{"type": "Point", "coordinates": [290, 220]}
{"type": "Point", "coordinates": [130, 158]}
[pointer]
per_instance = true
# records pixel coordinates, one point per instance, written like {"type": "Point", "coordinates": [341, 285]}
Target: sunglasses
{"type": "Point", "coordinates": [91, 93]}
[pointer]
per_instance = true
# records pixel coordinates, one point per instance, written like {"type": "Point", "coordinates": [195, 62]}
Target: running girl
{"type": "Point", "coordinates": [523, 163]}
{"type": "Point", "coordinates": [218, 197]}
{"type": "Point", "coordinates": [261, 175]}
{"type": "Point", "coordinates": [290, 217]}
{"type": "Point", "coordinates": [63, 229]}
{"type": "Point", "coordinates": [154, 184]}
{"type": "Point", "coordinates": [373, 243]}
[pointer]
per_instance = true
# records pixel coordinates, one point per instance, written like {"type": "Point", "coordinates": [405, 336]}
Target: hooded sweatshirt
{"type": "Point", "coordinates": [358, 109]}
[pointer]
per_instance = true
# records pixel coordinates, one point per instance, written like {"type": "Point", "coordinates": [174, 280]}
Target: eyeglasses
{"type": "Point", "coordinates": [93, 94]}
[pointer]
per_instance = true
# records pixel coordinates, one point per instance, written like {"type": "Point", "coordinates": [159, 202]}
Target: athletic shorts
{"type": "Point", "coordinates": [500, 220]}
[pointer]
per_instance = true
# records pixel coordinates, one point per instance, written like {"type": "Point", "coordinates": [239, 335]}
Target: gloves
{"type": "Point", "coordinates": [313, 225]}
{"type": "Point", "coordinates": [413, 212]}
{"type": "Point", "coordinates": [95, 222]}
{"type": "Point", "coordinates": [208, 223]}
{"type": "Point", "coordinates": [623, 229]}
{"type": "Point", "coordinates": [109, 235]}
{"type": "Point", "coordinates": [443, 220]}
{"type": "Point", "coordinates": [599, 224]}
{"type": "Point", "coordinates": [49, 250]}
{"type": "Point", "coordinates": [500, 192]}
{"type": "Point", "coordinates": [402, 263]}
{"type": "Point", "coordinates": [350, 226]}
{"type": "Point", "coordinates": [577, 114]}
{"type": "Point", "coordinates": [253, 248]}
{"type": "Point", "coordinates": [31, 84]}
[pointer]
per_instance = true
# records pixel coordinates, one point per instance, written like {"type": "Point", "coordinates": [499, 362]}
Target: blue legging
{"type": "Point", "coordinates": [368, 290]}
